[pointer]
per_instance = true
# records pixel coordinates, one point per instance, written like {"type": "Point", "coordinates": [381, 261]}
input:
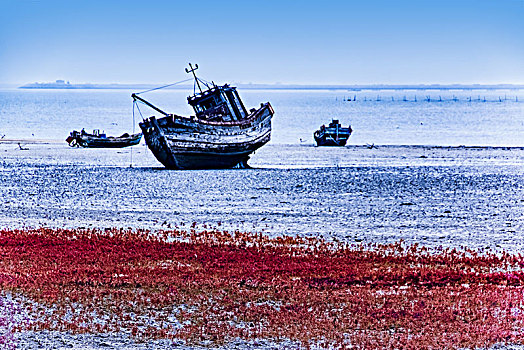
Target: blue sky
{"type": "Point", "coordinates": [302, 42]}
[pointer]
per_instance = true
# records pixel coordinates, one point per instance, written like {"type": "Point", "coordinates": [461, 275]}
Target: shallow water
{"type": "Point", "coordinates": [52, 114]}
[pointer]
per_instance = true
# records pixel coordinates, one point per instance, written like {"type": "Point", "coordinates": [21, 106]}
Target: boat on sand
{"type": "Point", "coordinates": [100, 140]}
{"type": "Point", "coordinates": [222, 133]}
{"type": "Point", "coordinates": [332, 135]}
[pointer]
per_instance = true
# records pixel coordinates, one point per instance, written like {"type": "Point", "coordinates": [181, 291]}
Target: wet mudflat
{"type": "Point", "coordinates": [430, 195]}
{"type": "Point", "coordinates": [434, 196]}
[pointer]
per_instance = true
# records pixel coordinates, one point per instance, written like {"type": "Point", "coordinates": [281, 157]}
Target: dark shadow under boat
{"type": "Point", "coordinates": [222, 134]}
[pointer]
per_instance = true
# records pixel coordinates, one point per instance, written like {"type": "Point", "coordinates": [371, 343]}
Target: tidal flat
{"type": "Point", "coordinates": [449, 196]}
{"type": "Point", "coordinates": [439, 198]}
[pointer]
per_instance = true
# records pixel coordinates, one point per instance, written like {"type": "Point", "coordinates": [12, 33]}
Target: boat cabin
{"type": "Point", "coordinates": [218, 103]}
{"type": "Point", "coordinates": [96, 133]}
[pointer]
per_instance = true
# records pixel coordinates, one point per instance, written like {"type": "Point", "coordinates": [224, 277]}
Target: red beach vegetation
{"type": "Point", "coordinates": [214, 286]}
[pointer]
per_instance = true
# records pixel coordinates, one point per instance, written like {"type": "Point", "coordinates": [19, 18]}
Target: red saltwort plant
{"type": "Point", "coordinates": [217, 286]}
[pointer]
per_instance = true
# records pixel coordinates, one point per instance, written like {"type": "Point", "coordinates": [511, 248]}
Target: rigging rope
{"type": "Point", "coordinates": [139, 111]}
{"type": "Point", "coordinates": [165, 86]}
{"type": "Point", "coordinates": [204, 81]}
{"type": "Point", "coordinates": [131, 161]}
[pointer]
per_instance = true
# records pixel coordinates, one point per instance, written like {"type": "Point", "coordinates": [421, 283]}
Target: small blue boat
{"type": "Point", "coordinates": [101, 140]}
{"type": "Point", "coordinates": [332, 135]}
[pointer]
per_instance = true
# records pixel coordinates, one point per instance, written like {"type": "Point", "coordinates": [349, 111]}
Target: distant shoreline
{"type": "Point", "coordinates": [359, 87]}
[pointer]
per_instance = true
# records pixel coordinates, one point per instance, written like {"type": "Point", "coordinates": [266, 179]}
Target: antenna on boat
{"type": "Point", "coordinates": [192, 70]}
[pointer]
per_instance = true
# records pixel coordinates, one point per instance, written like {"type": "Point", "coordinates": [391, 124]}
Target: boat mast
{"type": "Point", "coordinates": [192, 70]}
{"type": "Point", "coordinates": [135, 97]}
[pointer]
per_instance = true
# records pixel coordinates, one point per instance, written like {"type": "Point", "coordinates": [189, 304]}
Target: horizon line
{"type": "Point", "coordinates": [61, 84]}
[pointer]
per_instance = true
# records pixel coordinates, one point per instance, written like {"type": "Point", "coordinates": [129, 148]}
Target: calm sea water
{"type": "Point", "coordinates": [402, 117]}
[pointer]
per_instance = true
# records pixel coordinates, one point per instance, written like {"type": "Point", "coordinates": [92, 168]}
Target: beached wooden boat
{"type": "Point", "coordinates": [100, 140]}
{"type": "Point", "coordinates": [332, 135]}
{"type": "Point", "coordinates": [222, 133]}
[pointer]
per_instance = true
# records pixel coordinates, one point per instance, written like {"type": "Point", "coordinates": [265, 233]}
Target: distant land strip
{"type": "Point", "coordinates": [66, 85]}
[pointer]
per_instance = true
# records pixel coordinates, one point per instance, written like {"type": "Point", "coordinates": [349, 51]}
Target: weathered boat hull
{"type": "Point", "coordinates": [330, 142]}
{"type": "Point", "coordinates": [188, 143]}
{"type": "Point", "coordinates": [332, 135]}
{"type": "Point", "coordinates": [92, 141]}
{"type": "Point", "coordinates": [112, 142]}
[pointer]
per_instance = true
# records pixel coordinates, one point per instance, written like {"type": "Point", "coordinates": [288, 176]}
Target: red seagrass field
{"type": "Point", "coordinates": [398, 248]}
{"type": "Point", "coordinates": [213, 287]}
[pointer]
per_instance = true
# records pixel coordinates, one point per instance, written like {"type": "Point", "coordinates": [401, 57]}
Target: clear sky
{"type": "Point", "coordinates": [301, 42]}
